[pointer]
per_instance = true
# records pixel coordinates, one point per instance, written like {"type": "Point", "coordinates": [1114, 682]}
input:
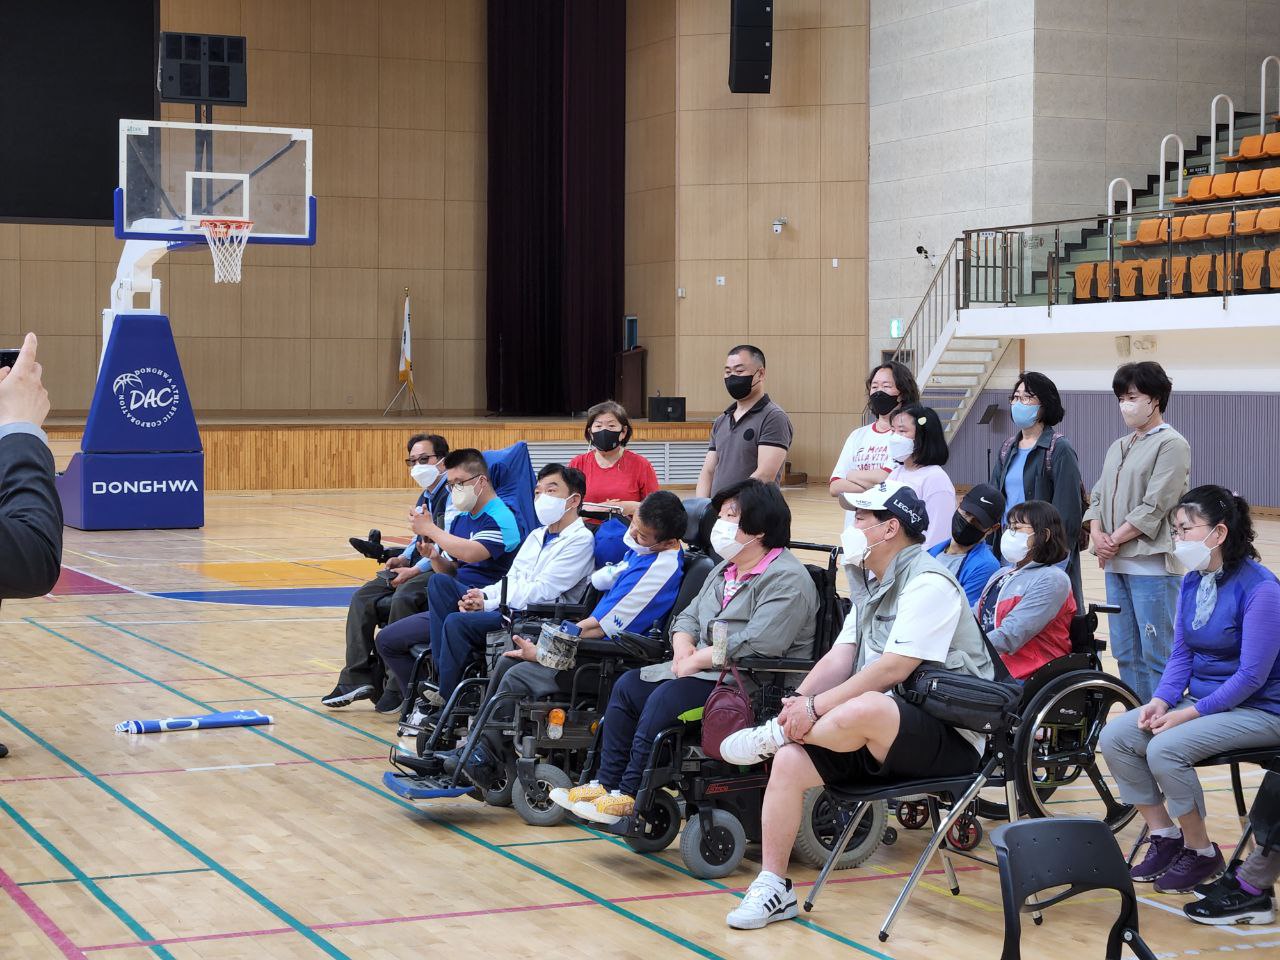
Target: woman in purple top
{"type": "Point", "coordinates": [1220, 689]}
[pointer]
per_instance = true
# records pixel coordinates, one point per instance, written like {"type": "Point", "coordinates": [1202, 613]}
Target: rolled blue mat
{"type": "Point", "coordinates": [206, 721]}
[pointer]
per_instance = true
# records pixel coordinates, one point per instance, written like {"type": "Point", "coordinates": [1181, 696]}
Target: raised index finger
{"type": "Point", "coordinates": [27, 355]}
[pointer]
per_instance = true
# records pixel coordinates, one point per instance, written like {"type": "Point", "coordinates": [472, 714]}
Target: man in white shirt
{"type": "Point", "coordinates": [553, 565]}
{"type": "Point", "coordinates": [843, 725]}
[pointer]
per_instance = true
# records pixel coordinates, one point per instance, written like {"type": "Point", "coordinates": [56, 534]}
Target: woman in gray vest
{"type": "Point", "coordinates": [843, 725]}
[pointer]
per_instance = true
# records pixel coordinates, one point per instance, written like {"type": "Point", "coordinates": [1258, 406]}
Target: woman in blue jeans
{"type": "Point", "coordinates": [1144, 474]}
{"type": "Point", "coordinates": [1220, 690]}
{"type": "Point", "coordinates": [768, 602]}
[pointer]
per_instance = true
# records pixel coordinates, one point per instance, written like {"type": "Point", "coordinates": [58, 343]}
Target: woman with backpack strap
{"type": "Point", "coordinates": [1038, 463]}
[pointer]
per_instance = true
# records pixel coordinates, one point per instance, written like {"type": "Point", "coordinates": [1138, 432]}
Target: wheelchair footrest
{"type": "Point", "coordinates": [420, 788]}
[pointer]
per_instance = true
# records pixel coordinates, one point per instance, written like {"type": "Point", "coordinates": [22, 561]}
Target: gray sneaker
{"type": "Point", "coordinates": [343, 696]}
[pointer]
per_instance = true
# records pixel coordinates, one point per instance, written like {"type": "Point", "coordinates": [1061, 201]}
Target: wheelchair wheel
{"type": "Point", "coordinates": [660, 824]}
{"type": "Point", "coordinates": [717, 852]}
{"type": "Point", "coordinates": [1056, 749]}
{"type": "Point", "coordinates": [821, 825]}
{"type": "Point", "coordinates": [912, 814]}
{"type": "Point", "coordinates": [538, 810]}
{"type": "Point", "coordinates": [500, 794]}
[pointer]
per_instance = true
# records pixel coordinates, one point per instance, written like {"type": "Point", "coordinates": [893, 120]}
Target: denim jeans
{"type": "Point", "coordinates": [1142, 632]}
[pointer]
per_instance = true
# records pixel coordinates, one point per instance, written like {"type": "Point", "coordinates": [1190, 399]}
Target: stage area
{"type": "Point", "coordinates": [255, 842]}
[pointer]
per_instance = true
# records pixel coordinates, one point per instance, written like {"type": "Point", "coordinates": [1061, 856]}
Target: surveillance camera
{"type": "Point", "coordinates": [922, 251]}
{"type": "Point", "coordinates": [778, 224]}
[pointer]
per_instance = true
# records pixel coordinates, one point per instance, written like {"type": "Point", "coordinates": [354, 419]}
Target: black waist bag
{"type": "Point", "coordinates": [963, 700]}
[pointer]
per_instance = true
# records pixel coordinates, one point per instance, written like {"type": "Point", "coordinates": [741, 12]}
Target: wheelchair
{"type": "Point", "coordinates": [718, 804]}
{"type": "Point", "coordinates": [1044, 757]}
{"type": "Point", "coordinates": [551, 739]}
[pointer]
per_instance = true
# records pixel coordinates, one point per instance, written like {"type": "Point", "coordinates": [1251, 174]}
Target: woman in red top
{"type": "Point", "coordinates": [615, 475]}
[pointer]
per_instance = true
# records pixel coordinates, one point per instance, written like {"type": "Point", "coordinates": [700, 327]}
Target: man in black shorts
{"type": "Point", "coordinates": [843, 726]}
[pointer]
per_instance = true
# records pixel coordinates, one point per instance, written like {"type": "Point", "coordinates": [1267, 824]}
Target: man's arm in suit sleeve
{"type": "Point", "coordinates": [30, 515]}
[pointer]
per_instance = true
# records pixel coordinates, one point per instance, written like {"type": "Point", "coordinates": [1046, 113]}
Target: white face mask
{"type": "Point", "coordinates": [1136, 412]}
{"type": "Point", "coordinates": [425, 475]}
{"type": "Point", "coordinates": [630, 543]}
{"type": "Point", "coordinates": [464, 498]}
{"type": "Point", "coordinates": [724, 539]}
{"type": "Point", "coordinates": [900, 447]}
{"type": "Point", "coordinates": [1194, 554]}
{"type": "Point", "coordinates": [550, 508]}
{"type": "Point", "coordinates": [1013, 546]}
{"type": "Point", "coordinates": [856, 547]}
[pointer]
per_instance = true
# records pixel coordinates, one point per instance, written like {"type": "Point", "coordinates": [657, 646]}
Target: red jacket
{"type": "Point", "coordinates": [1041, 630]}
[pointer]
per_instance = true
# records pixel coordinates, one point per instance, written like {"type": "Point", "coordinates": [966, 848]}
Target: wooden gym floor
{"type": "Point", "coordinates": [280, 841]}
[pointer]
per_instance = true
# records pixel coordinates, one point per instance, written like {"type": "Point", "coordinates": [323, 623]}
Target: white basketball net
{"type": "Point", "coordinates": [227, 238]}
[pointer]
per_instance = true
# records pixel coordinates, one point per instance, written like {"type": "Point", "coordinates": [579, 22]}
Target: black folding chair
{"type": "Point", "coordinates": [1082, 854]}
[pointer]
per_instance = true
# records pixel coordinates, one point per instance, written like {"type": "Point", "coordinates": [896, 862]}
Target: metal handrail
{"type": "Point", "coordinates": [1262, 92]}
{"type": "Point", "coordinates": [1272, 200]}
{"type": "Point", "coordinates": [1128, 202]}
{"type": "Point", "coordinates": [1182, 162]}
{"type": "Point", "coordinates": [942, 298]}
{"type": "Point", "coordinates": [1213, 129]}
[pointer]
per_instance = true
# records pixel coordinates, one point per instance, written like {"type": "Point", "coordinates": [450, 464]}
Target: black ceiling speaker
{"type": "Point", "coordinates": [751, 46]}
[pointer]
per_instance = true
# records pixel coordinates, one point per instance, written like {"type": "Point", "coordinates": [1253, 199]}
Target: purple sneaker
{"type": "Point", "coordinates": [1189, 870]}
{"type": "Point", "coordinates": [1161, 853]}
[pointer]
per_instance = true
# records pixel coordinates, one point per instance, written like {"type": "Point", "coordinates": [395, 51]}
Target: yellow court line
{"type": "Point", "coordinates": [946, 892]}
{"type": "Point", "coordinates": [85, 556]}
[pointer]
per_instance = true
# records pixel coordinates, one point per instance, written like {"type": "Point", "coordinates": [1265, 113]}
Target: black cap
{"type": "Point", "coordinates": [910, 510]}
{"type": "Point", "coordinates": [985, 504]}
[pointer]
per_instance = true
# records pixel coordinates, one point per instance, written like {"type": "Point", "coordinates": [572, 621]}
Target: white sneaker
{"type": "Point", "coordinates": [764, 902]}
{"type": "Point", "coordinates": [753, 745]}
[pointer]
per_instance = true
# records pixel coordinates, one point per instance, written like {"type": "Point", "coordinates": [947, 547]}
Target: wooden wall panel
{"type": "Point", "coordinates": [464, 30]}
{"type": "Point", "coordinates": [800, 204]}
{"type": "Point", "coordinates": [466, 225]}
{"type": "Point", "coordinates": [785, 297]}
{"type": "Point", "coordinates": [58, 297]}
{"type": "Point", "coordinates": [349, 235]}
{"type": "Point", "coordinates": [785, 144]}
{"type": "Point", "coordinates": [708, 308]}
{"type": "Point", "coordinates": [281, 88]}
{"type": "Point", "coordinates": [844, 142]}
{"type": "Point", "coordinates": [346, 162]}
{"type": "Point", "coordinates": [466, 87]}
{"type": "Point", "coordinates": [213, 369]}
{"type": "Point", "coordinates": [465, 173]}
{"type": "Point", "coordinates": [70, 365]}
{"type": "Point", "coordinates": [344, 374]}
{"type": "Point", "coordinates": [843, 373]}
{"type": "Point", "coordinates": [9, 241]}
{"type": "Point", "coordinates": [651, 88]}
{"type": "Point", "coordinates": [649, 22]}
{"type": "Point", "coordinates": [48, 242]}
{"type": "Point", "coordinates": [198, 307]}
{"type": "Point", "coordinates": [344, 90]}
{"type": "Point", "coordinates": [797, 68]}
{"type": "Point", "coordinates": [410, 29]}
{"type": "Point", "coordinates": [411, 164]}
{"type": "Point", "coordinates": [277, 373]}
{"type": "Point", "coordinates": [464, 303]}
{"type": "Point", "coordinates": [650, 294]}
{"type": "Point", "coordinates": [844, 297]}
{"type": "Point", "coordinates": [844, 219]}
{"type": "Point", "coordinates": [411, 233]}
{"type": "Point", "coordinates": [713, 146]}
{"type": "Point", "coordinates": [276, 301]}
{"type": "Point", "coordinates": [411, 94]}
{"type": "Point", "coordinates": [10, 297]}
{"type": "Point", "coordinates": [844, 70]}
{"type": "Point", "coordinates": [344, 302]}
{"type": "Point", "coordinates": [340, 26]}
{"type": "Point", "coordinates": [712, 222]}
{"type": "Point", "coordinates": [277, 25]}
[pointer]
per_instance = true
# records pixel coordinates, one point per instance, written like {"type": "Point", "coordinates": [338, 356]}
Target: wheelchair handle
{"type": "Point", "coordinates": [1105, 608]}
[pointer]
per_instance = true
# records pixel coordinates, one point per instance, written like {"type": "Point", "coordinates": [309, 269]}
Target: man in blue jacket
{"type": "Point", "coordinates": [967, 554]}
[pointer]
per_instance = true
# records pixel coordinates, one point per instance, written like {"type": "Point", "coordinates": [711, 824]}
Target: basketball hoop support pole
{"type": "Point", "coordinates": [133, 277]}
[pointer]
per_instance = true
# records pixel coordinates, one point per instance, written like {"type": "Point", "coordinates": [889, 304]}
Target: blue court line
{"type": "Point", "coordinates": [119, 912]}
{"type": "Point", "coordinates": [116, 876]}
{"type": "Point", "coordinates": [543, 843]}
{"type": "Point", "coordinates": [328, 716]}
{"type": "Point", "coordinates": [268, 597]}
{"type": "Point", "coordinates": [458, 831]}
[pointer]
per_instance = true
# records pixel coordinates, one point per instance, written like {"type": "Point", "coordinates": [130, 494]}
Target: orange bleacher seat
{"type": "Point", "coordinates": [1084, 282]}
{"type": "Point", "coordinates": [1177, 276]}
{"type": "Point", "coordinates": [1269, 220]}
{"type": "Point", "coordinates": [1197, 191]}
{"type": "Point", "coordinates": [1201, 268]}
{"type": "Point", "coordinates": [1270, 182]}
{"type": "Point", "coordinates": [1248, 183]}
{"type": "Point", "coordinates": [1271, 145]}
{"type": "Point", "coordinates": [1250, 149]}
{"type": "Point", "coordinates": [1218, 226]}
{"type": "Point", "coordinates": [1247, 223]}
{"type": "Point", "coordinates": [1223, 186]}
{"type": "Point", "coordinates": [1273, 269]}
{"type": "Point", "coordinates": [1194, 228]}
{"type": "Point", "coordinates": [1149, 232]}
{"type": "Point", "coordinates": [1152, 274]}
{"type": "Point", "coordinates": [1178, 224]}
{"type": "Point", "coordinates": [1102, 273]}
{"type": "Point", "coordinates": [1127, 274]}
{"type": "Point", "coordinates": [1222, 272]}
{"type": "Point", "coordinates": [1251, 264]}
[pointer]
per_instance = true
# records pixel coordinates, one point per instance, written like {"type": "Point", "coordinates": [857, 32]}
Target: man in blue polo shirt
{"type": "Point", "coordinates": [967, 554]}
{"type": "Point", "coordinates": [475, 551]}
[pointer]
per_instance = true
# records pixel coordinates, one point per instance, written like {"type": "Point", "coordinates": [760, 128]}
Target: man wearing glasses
{"type": "Point", "coordinates": [404, 579]}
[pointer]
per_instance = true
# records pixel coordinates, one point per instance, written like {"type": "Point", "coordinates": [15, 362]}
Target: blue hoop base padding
{"type": "Point", "coordinates": [403, 785]}
{"type": "Point", "coordinates": [133, 491]}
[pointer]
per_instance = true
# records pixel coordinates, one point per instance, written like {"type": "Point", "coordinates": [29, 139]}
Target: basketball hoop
{"type": "Point", "coordinates": [226, 237]}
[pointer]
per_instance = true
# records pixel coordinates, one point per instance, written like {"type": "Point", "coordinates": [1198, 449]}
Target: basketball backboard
{"type": "Point", "coordinates": [173, 175]}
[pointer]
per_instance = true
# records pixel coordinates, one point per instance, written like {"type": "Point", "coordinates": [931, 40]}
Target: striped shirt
{"type": "Point", "coordinates": [643, 594]}
{"type": "Point", "coordinates": [494, 527]}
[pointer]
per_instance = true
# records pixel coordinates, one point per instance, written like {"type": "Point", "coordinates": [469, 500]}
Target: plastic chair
{"type": "Point", "coordinates": [1034, 855]}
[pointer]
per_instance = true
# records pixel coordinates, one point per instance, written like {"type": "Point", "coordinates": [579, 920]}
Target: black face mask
{"type": "Point", "coordinates": [881, 403]}
{"type": "Point", "coordinates": [963, 532]}
{"type": "Point", "coordinates": [606, 440]}
{"type": "Point", "coordinates": [739, 385]}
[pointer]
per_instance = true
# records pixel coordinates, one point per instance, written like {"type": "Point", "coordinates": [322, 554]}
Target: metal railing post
{"type": "Point", "coordinates": [1054, 277]}
{"type": "Point", "coordinates": [1262, 92]}
{"type": "Point", "coordinates": [1182, 162]}
{"type": "Point", "coordinates": [1168, 264]}
{"type": "Point", "coordinates": [1213, 129]}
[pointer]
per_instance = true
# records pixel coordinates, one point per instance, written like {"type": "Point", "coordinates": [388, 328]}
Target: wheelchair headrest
{"type": "Point", "coordinates": [701, 519]}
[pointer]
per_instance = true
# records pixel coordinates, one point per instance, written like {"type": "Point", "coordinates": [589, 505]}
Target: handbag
{"type": "Point", "coordinates": [727, 711]}
{"type": "Point", "coordinates": [963, 700]}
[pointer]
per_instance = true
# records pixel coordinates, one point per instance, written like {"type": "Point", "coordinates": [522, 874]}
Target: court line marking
{"type": "Point", "coordinates": [173, 836]}
{"type": "Point", "coordinates": [831, 934]}
{"type": "Point", "coordinates": [1235, 928]}
{"type": "Point", "coordinates": [452, 828]}
{"type": "Point", "coordinates": [119, 912]}
{"type": "Point", "coordinates": [152, 773]}
{"type": "Point", "coordinates": [116, 876]}
{"type": "Point", "coordinates": [122, 683]}
{"type": "Point", "coordinates": [45, 923]}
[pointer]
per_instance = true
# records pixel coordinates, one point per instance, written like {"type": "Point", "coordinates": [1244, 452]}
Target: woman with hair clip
{"type": "Point", "coordinates": [1220, 689]}
{"type": "Point", "coordinates": [1026, 607]}
{"type": "Point", "coordinates": [918, 448]}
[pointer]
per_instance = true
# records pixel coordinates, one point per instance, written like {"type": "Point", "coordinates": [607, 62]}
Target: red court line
{"type": "Point", "coordinates": [74, 583]}
{"type": "Point", "coordinates": [125, 683]}
{"type": "Point", "coordinates": [462, 914]}
{"type": "Point", "coordinates": [41, 919]}
{"type": "Point", "coordinates": [216, 769]}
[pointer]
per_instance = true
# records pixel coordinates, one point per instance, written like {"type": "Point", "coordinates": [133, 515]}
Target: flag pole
{"type": "Point", "coordinates": [406, 364]}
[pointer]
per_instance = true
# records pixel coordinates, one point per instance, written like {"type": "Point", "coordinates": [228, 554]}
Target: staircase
{"type": "Point", "coordinates": [951, 371]}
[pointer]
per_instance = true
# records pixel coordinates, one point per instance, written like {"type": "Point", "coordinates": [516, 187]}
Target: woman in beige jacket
{"type": "Point", "coordinates": [1144, 475]}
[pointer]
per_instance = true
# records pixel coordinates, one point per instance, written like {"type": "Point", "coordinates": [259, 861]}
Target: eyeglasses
{"type": "Point", "coordinates": [459, 484]}
{"type": "Point", "coordinates": [426, 458]}
{"type": "Point", "coordinates": [1181, 531]}
{"type": "Point", "coordinates": [1024, 398]}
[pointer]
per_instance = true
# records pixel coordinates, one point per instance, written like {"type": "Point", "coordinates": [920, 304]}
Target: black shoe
{"type": "Point", "coordinates": [371, 548]}
{"type": "Point", "coordinates": [482, 768]}
{"type": "Point", "coordinates": [344, 696]}
{"type": "Point", "coordinates": [4, 751]}
{"type": "Point", "coordinates": [1230, 904]}
{"type": "Point", "coordinates": [1214, 887]}
{"type": "Point", "coordinates": [390, 702]}
{"type": "Point", "coordinates": [450, 759]}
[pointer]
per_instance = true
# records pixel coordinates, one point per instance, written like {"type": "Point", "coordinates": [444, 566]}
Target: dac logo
{"type": "Point", "coordinates": [148, 396]}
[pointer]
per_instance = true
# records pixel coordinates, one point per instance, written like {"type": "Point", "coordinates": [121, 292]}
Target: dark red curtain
{"type": "Point", "coordinates": [556, 153]}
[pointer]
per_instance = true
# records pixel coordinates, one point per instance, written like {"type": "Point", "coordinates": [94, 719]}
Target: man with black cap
{"type": "Point", "coordinates": [843, 725]}
{"type": "Point", "coordinates": [967, 554]}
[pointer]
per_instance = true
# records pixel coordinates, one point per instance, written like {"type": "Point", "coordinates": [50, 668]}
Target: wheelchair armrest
{"type": "Point", "coordinates": [780, 665]}
{"type": "Point", "coordinates": [555, 611]}
{"type": "Point", "coordinates": [634, 646]}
